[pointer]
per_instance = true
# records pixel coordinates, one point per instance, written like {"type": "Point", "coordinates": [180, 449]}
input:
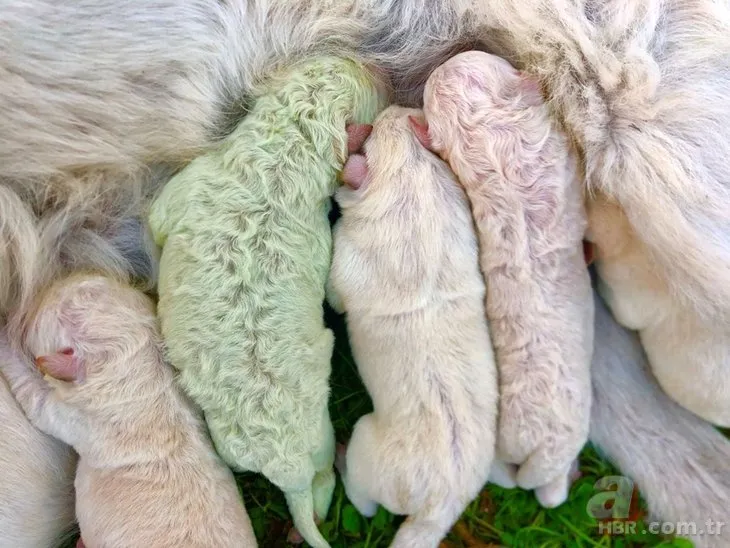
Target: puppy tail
{"type": "Point", "coordinates": [677, 460]}
{"type": "Point", "coordinates": [427, 529]}
{"type": "Point", "coordinates": [301, 507]}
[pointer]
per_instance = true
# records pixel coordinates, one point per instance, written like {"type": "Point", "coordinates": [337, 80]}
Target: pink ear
{"type": "Point", "coordinates": [356, 136]}
{"type": "Point", "coordinates": [63, 365]}
{"type": "Point", "coordinates": [355, 171]}
{"type": "Point", "coordinates": [420, 128]}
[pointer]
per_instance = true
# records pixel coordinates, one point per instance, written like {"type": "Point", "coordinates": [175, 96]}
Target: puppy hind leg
{"type": "Point", "coordinates": [323, 487]}
{"type": "Point", "coordinates": [503, 474]}
{"type": "Point", "coordinates": [359, 471]}
{"type": "Point", "coordinates": [547, 465]}
{"type": "Point", "coordinates": [427, 531]}
{"type": "Point", "coordinates": [555, 493]}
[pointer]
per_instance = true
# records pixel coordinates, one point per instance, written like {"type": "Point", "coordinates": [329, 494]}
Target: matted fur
{"type": "Point", "coordinates": [492, 127]}
{"type": "Point", "coordinates": [405, 271]}
{"type": "Point", "coordinates": [246, 251]}
{"type": "Point", "coordinates": [36, 491]}
{"type": "Point", "coordinates": [678, 461]}
{"type": "Point", "coordinates": [689, 352]}
{"type": "Point", "coordinates": [148, 474]}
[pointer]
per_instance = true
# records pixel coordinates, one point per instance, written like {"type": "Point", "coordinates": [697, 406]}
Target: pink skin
{"type": "Point", "coordinates": [63, 365]}
{"type": "Point", "coordinates": [420, 128]}
{"type": "Point", "coordinates": [356, 136]}
{"type": "Point", "coordinates": [355, 170]}
{"type": "Point", "coordinates": [80, 543]}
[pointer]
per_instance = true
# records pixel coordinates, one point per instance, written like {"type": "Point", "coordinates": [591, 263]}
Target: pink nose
{"type": "Point", "coordinates": [356, 136]}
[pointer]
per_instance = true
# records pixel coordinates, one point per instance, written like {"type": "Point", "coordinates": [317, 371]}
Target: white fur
{"type": "Point", "coordinates": [492, 126]}
{"type": "Point", "coordinates": [689, 352]}
{"type": "Point", "coordinates": [405, 271]}
{"type": "Point", "coordinates": [678, 461]}
{"type": "Point", "coordinates": [36, 475]}
{"type": "Point", "coordinates": [640, 85]}
{"type": "Point", "coordinates": [147, 473]}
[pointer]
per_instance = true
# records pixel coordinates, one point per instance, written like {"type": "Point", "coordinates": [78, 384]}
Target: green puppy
{"type": "Point", "coordinates": [246, 252]}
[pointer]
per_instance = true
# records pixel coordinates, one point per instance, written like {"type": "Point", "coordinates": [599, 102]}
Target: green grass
{"type": "Point", "coordinates": [501, 517]}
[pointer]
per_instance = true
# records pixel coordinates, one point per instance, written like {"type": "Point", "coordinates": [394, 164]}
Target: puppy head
{"type": "Point", "coordinates": [390, 150]}
{"type": "Point", "coordinates": [327, 92]}
{"type": "Point", "coordinates": [84, 327]}
{"type": "Point", "coordinates": [473, 90]}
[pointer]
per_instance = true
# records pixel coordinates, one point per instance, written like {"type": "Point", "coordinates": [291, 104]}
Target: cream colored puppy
{"type": "Point", "coordinates": [491, 124]}
{"type": "Point", "coordinates": [405, 271]}
{"type": "Point", "coordinates": [147, 473]}
{"type": "Point", "coordinates": [689, 352]}
{"type": "Point", "coordinates": [36, 475]}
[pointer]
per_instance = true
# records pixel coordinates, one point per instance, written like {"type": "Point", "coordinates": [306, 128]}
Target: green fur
{"type": "Point", "coordinates": [246, 252]}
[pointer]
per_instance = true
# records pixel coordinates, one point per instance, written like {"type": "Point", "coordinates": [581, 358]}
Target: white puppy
{"type": "Point", "coordinates": [147, 473]}
{"type": "Point", "coordinates": [689, 351]}
{"type": "Point", "coordinates": [405, 270]}
{"type": "Point", "coordinates": [678, 461]}
{"type": "Point", "coordinates": [37, 471]}
{"type": "Point", "coordinates": [492, 126]}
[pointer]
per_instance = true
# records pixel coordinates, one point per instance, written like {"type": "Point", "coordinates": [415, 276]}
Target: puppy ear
{"type": "Point", "coordinates": [64, 365]}
{"type": "Point", "coordinates": [355, 171]}
{"type": "Point", "coordinates": [420, 128]}
{"type": "Point", "coordinates": [356, 136]}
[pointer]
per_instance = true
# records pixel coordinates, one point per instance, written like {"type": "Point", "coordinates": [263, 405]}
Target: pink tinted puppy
{"type": "Point", "coordinates": [147, 473]}
{"type": "Point", "coordinates": [36, 474]}
{"type": "Point", "coordinates": [405, 271]}
{"type": "Point", "coordinates": [491, 124]}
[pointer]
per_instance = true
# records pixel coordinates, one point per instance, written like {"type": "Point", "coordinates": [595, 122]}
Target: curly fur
{"type": "Point", "coordinates": [148, 474]}
{"type": "Point", "coordinates": [405, 271]}
{"type": "Point", "coordinates": [246, 252]}
{"type": "Point", "coordinates": [491, 125]}
{"type": "Point", "coordinates": [640, 86]}
{"type": "Point", "coordinates": [36, 492]}
{"type": "Point", "coordinates": [678, 461]}
{"type": "Point", "coordinates": [680, 343]}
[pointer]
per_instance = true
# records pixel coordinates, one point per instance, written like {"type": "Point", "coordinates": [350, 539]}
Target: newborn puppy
{"type": "Point", "coordinates": [490, 123]}
{"type": "Point", "coordinates": [405, 271]}
{"type": "Point", "coordinates": [147, 473]}
{"type": "Point", "coordinates": [36, 489]}
{"type": "Point", "coordinates": [246, 251]}
{"type": "Point", "coordinates": [689, 351]}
